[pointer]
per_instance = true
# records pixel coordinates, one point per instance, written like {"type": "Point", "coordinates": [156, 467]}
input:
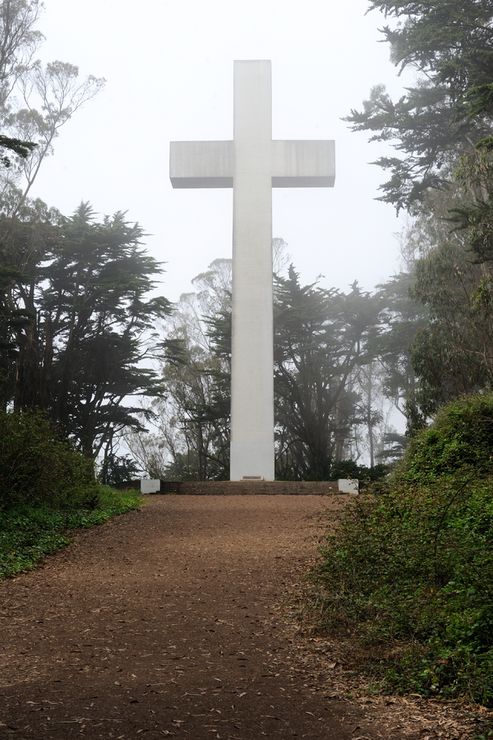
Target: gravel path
{"type": "Point", "coordinates": [168, 622]}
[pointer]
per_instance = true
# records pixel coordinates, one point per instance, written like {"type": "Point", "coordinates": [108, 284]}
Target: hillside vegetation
{"type": "Point", "coordinates": [46, 489]}
{"type": "Point", "coordinates": [410, 570]}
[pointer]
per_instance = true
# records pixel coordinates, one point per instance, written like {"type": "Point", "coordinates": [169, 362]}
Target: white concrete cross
{"type": "Point", "coordinates": [252, 165]}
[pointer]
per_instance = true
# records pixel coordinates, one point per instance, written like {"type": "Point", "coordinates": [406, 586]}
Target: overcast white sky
{"type": "Point", "coordinates": [169, 71]}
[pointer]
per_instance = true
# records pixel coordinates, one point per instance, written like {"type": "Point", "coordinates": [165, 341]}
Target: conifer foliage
{"type": "Point", "coordinates": [449, 109]}
{"type": "Point", "coordinates": [81, 321]}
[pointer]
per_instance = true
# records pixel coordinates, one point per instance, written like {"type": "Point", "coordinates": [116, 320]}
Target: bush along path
{"type": "Point", "coordinates": [409, 573]}
{"type": "Point", "coordinates": [29, 533]}
{"type": "Point", "coordinates": [46, 489]}
{"type": "Point", "coordinates": [174, 621]}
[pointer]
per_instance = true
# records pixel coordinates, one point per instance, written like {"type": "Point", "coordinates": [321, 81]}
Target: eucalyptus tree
{"type": "Point", "coordinates": [36, 99]}
{"type": "Point", "coordinates": [20, 40]}
{"type": "Point", "coordinates": [196, 374]}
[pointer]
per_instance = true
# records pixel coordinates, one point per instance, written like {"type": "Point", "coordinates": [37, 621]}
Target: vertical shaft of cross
{"type": "Point", "coordinates": [252, 386]}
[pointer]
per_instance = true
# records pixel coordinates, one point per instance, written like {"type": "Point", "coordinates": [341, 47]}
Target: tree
{"type": "Point", "coordinates": [116, 470]}
{"type": "Point", "coordinates": [198, 420]}
{"type": "Point", "coordinates": [20, 40]}
{"type": "Point", "coordinates": [439, 314]}
{"type": "Point", "coordinates": [473, 213]}
{"type": "Point", "coordinates": [195, 416]}
{"type": "Point", "coordinates": [89, 323]}
{"type": "Point", "coordinates": [149, 449]}
{"type": "Point", "coordinates": [402, 318]}
{"type": "Point", "coordinates": [17, 146]}
{"type": "Point", "coordinates": [57, 92]}
{"type": "Point", "coordinates": [321, 337]}
{"type": "Point", "coordinates": [23, 242]}
{"type": "Point", "coordinates": [449, 110]}
{"type": "Point", "coordinates": [35, 100]}
{"type": "Point", "coordinates": [453, 355]}
{"type": "Point", "coordinates": [440, 343]}
{"type": "Point", "coordinates": [371, 410]}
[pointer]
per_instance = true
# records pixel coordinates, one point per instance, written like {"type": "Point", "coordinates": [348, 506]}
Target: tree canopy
{"type": "Point", "coordinates": [449, 109]}
{"type": "Point", "coordinates": [36, 100]}
{"type": "Point", "coordinates": [78, 321]}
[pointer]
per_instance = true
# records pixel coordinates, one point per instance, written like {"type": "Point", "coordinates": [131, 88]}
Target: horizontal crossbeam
{"type": "Point", "coordinates": [211, 164]}
{"type": "Point", "coordinates": [201, 164]}
{"type": "Point", "coordinates": [303, 164]}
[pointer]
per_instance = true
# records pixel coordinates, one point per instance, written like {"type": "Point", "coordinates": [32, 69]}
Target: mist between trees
{"type": "Point", "coordinates": [330, 379]}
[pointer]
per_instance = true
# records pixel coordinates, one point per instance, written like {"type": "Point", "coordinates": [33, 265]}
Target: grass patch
{"type": "Point", "coordinates": [29, 533]}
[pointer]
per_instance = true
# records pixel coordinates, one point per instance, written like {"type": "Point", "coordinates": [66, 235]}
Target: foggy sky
{"type": "Point", "coordinates": [169, 71]}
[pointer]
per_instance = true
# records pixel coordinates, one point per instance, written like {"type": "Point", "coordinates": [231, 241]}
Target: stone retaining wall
{"type": "Point", "coordinates": [260, 488]}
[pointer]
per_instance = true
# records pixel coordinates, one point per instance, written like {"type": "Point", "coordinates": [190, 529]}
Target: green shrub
{"type": "Point", "coordinates": [36, 466]}
{"type": "Point", "coordinates": [412, 567]}
{"type": "Point", "coordinates": [46, 489]}
{"type": "Point", "coordinates": [28, 533]}
{"type": "Point", "coordinates": [351, 469]}
{"type": "Point", "coordinates": [461, 436]}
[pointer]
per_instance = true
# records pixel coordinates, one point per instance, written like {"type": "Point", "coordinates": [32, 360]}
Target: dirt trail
{"type": "Point", "coordinates": [167, 623]}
